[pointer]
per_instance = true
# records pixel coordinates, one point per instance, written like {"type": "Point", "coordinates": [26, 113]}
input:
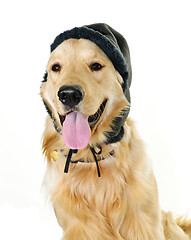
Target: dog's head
{"type": "Point", "coordinates": [86, 86]}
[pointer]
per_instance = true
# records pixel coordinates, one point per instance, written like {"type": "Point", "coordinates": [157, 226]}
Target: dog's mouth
{"type": "Point", "coordinates": [93, 119]}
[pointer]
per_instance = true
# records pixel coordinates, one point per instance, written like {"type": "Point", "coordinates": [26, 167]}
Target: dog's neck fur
{"type": "Point", "coordinates": [124, 181]}
{"type": "Point", "coordinates": [111, 153]}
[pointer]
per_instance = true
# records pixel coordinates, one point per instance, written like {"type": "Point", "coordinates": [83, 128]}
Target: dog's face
{"type": "Point", "coordinates": [82, 83]}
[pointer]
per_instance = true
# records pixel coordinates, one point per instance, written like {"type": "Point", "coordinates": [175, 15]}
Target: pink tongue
{"type": "Point", "coordinates": [76, 131]}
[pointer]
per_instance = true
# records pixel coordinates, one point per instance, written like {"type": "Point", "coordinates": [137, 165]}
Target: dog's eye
{"type": "Point", "coordinates": [56, 67]}
{"type": "Point", "coordinates": [96, 66]}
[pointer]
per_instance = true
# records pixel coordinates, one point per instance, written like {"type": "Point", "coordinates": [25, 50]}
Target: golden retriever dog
{"type": "Point", "coordinates": [99, 180]}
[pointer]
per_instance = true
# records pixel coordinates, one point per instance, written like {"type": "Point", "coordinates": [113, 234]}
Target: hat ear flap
{"type": "Point", "coordinates": [121, 43]}
{"type": "Point", "coordinates": [45, 77]}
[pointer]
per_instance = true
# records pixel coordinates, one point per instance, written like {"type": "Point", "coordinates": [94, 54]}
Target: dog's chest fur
{"type": "Point", "coordinates": [106, 207]}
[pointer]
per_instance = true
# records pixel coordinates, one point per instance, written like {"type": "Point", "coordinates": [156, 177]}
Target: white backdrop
{"type": "Point", "coordinates": [159, 37]}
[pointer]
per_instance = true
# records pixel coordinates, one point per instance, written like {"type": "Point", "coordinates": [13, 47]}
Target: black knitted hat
{"type": "Point", "coordinates": [112, 43]}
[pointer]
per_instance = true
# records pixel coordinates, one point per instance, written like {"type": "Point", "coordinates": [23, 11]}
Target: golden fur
{"type": "Point", "coordinates": [123, 203]}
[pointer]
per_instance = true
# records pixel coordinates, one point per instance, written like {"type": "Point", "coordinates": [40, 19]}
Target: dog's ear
{"type": "Point", "coordinates": [125, 90]}
{"type": "Point", "coordinates": [48, 107]}
{"type": "Point", "coordinates": [119, 78]}
{"type": "Point", "coordinates": [51, 140]}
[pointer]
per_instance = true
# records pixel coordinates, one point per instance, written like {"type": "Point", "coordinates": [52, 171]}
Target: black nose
{"type": "Point", "coordinates": [70, 95]}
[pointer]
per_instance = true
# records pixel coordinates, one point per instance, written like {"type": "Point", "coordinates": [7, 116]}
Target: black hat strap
{"type": "Point", "coordinates": [73, 151]}
{"type": "Point", "coordinates": [94, 154]}
{"type": "Point", "coordinates": [69, 159]}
